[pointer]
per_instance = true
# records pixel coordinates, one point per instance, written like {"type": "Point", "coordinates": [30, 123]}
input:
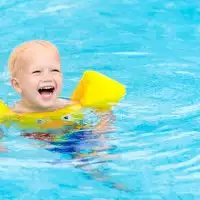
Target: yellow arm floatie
{"type": "Point", "coordinates": [98, 91]}
{"type": "Point", "coordinates": [94, 90]}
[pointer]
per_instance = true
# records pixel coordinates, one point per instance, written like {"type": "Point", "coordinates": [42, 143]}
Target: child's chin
{"type": "Point", "coordinates": [47, 105]}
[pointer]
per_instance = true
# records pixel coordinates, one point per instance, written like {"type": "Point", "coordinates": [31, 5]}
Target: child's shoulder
{"type": "Point", "coordinates": [17, 108]}
{"type": "Point", "coordinates": [65, 102]}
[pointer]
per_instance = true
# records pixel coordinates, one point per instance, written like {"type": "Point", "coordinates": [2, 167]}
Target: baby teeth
{"type": "Point", "coordinates": [47, 87]}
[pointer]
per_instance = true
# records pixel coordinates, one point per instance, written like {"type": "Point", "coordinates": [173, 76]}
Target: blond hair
{"type": "Point", "coordinates": [13, 62]}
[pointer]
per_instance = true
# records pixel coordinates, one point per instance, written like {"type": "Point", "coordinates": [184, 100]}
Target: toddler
{"type": "Point", "coordinates": [36, 75]}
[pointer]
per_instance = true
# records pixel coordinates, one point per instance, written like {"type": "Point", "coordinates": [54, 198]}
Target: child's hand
{"type": "Point", "coordinates": [105, 124]}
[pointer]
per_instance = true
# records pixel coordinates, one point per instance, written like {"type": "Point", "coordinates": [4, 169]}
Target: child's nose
{"type": "Point", "coordinates": [47, 77]}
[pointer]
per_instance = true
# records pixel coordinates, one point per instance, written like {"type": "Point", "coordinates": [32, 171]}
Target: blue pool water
{"type": "Point", "coordinates": [152, 47]}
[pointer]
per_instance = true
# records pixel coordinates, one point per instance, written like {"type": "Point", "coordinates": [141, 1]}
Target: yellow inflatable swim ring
{"type": "Point", "coordinates": [94, 90]}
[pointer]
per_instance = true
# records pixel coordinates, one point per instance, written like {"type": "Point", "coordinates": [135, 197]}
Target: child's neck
{"type": "Point", "coordinates": [24, 107]}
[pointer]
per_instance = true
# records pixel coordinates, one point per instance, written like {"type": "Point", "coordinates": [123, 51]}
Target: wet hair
{"type": "Point", "coordinates": [16, 54]}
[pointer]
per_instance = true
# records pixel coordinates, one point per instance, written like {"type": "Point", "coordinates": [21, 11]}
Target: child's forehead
{"type": "Point", "coordinates": [39, 51]}
{"type": "Point", "coordinates": [37, 56]}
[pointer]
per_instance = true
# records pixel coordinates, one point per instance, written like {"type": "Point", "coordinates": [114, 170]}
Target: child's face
{"type": "Point", "coordinates": [39, 80]}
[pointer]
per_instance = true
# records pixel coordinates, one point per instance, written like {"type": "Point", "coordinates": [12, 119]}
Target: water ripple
{"type": "Point", "coordinates": [192, 161]}
{"type": "Point", "coordinates": [58, 8]}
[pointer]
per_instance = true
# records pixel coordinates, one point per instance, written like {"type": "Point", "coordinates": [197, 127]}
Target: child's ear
{"type": "Point", "coordinates": [16, 85]}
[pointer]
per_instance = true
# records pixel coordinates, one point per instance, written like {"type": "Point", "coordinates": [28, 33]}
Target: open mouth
{"type": "Point", "coordinates": [46, 91]}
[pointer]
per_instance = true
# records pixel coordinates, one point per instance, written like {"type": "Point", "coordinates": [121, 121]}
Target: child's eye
{"type": "Point", "coordinates": [36, 72]}
{"type": "Point", "coordinates": [55, 70]}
